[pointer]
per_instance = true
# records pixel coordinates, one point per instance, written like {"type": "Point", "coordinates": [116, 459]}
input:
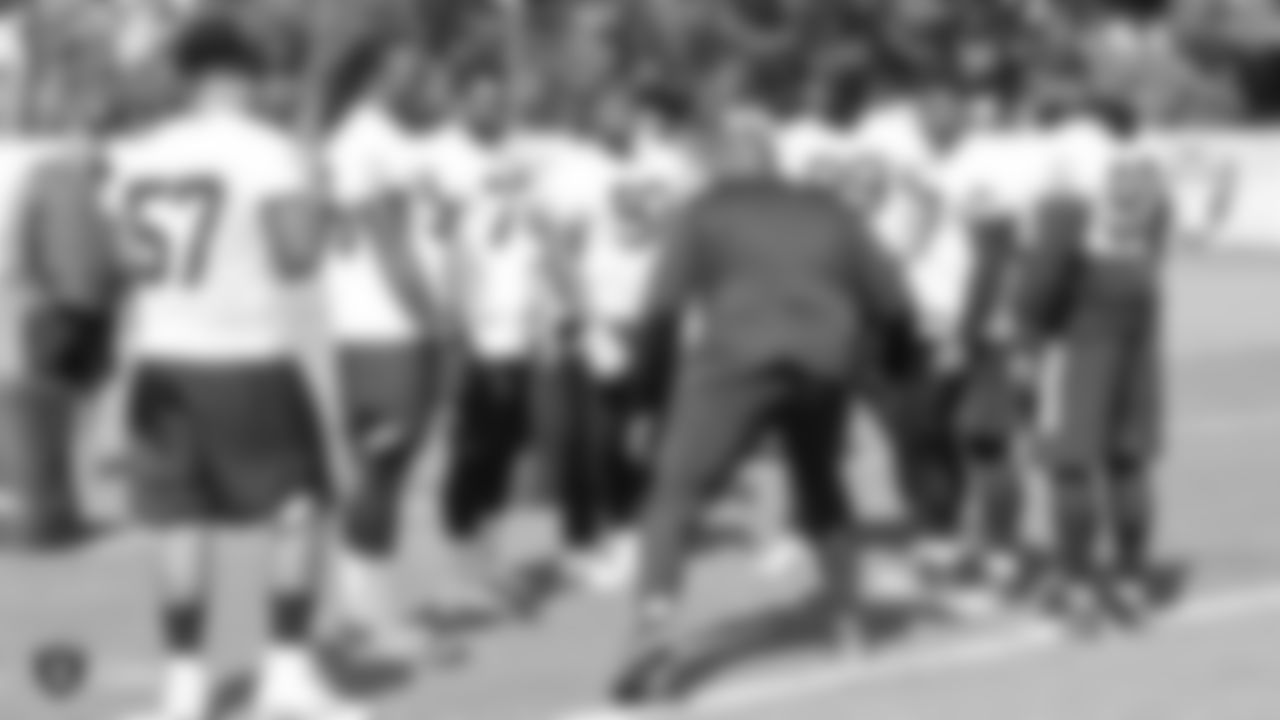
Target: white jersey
{"type": "Point", "coordinates": [992, 173]}
{"type": "Point", "coordinates": [893, 156]}
{"type": "Point", "coordinates": [21, 160]}
{"type": "Point", "coordinates": [191, 196]}
{"type": "Point", "coordinates": [1118, 178]}
{"type": "Point", "coordinates": [813, 151]}
{"type": "Point", "coordinates": [621, 203]}
{"type": "Point", "coordinates": [446, 170]}
{"type": "Point", "coordinates": [500, 248]}
{"type": "Point", "coordinates": [1007, 173]}
{"type": "Point", "coordinates": [367, 158]}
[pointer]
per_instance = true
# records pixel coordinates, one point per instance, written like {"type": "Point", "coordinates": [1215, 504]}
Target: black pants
{"type": "Point", "coordinates": [919, 415]}
{"type": "Point", "coordinates": [719, 413]}
{"type": "Point", "coordinates": [492, 428]}
{"type": "Point", "coordinates": [38, 427]}
{"type": "Point", "coordinates": [610, 411]}
{"type": "Point", "coordinates": [591, 471]}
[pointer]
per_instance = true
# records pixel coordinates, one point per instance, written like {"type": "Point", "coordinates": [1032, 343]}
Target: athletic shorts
{"type": "Point", "coordinates": [390, 393]}
{"type": "Point", "coordinates": [224, 443]}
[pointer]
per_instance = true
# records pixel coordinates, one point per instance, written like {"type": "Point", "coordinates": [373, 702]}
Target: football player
{"type": "Point", "coordinates": [992, 185]}
{"type": "Point", "coordinates": [38, 413]}
{"type": "Point", "coordinates": [900, 148]}
{"type": "Point", "coordinates": [1092, 294]}
{"type": "Point", "coordinates": [208, 226]}
{"type": "Point", "coordinates": [385, 317]}
{"type": "Point", "coordinates": [498, 258]}
{"type": "Point", "coordinates": [614, 197]}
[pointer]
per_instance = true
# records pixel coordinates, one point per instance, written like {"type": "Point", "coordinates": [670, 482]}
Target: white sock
{"type": "Point", "coordinates": [290, 677]}
{"type": "Point", "coordinates": [186, 688]}
{"type": "Point", "coordinates": [362, 588]}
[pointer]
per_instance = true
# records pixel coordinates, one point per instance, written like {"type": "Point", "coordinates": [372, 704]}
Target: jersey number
{"type": "Point", "coordinates": [170, 226]}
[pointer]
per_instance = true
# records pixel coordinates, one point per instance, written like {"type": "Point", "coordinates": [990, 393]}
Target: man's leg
{"type": "Point", "coordinates": [262, 427]}
{"type": "Point", "coordinates": [39, 438]}
{"type": "Point", "coordinates": [487, 436]}
{"type": "Point", "coordinates": [1077, 431]}
{"type": "Point", "coordinates": [175, 497]}
{"type": "Point", "coordinates": [1131, 491]}
{"type": "Point", "coordinates": [944, 490]}
{"type": "Point", "coordinates": [391, 394]}
{"type": "Point", "coordinates": [989, 416]}
{"type": "Point", "coordinates": [612, 467]}
{"type": "Point", "coordinates": [716, 415]}
{"type": "Point", "coordinates": [812, 422]}
{"type": "Point", "coordinates": [560, 438]}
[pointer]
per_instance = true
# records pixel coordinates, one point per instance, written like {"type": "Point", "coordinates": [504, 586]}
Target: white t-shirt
{"type": "Point", "coordinates": [367, 158]}
{"type": "Point", "coordinates": [622, 204]}
{"type": "Point", "coordinates": [190, 197]}
{"type": "Point", "coordinates": [447, 167]}
{"type": "Point", "coordinates": [814, 151]}
{"type": "Point", "coordinates": [892, 153]}
{"type": "Point", "coordinates": [500, 249]}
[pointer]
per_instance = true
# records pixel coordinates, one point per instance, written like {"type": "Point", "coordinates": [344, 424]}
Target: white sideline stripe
{"type": "Point", "coordinates": [1016, 642]}
{"type": "Point", "coordinates": [130, 675]}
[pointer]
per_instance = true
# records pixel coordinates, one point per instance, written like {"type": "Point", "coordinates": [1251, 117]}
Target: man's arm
{"type": "Point", "coordinates": [875, 280]}
{"type": "Point", "coordinates": [386, 220]}
{"type": "Point", "coordinates": [69, 261]}
{"type": "Point", "coordinates": [681, 275]}
{"type": "Point", "coordinates": [1046, 282]}
{"type": "Point", "coordinates": [683, 262]}
{"type": "Point", "coordinates": [879, 289]}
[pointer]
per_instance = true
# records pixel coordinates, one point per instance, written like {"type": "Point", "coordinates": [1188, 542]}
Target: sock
{"type": "Point", "coordinates": [292, 612]}
{"type": "Point", "coordinates": [183, 626]}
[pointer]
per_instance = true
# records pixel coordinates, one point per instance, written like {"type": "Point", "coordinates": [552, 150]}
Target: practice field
{"type": "Point", "coordinates": [1216, 656]}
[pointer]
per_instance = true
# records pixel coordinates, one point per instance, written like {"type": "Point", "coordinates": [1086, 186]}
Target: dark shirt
{"type": "Point", "coordinates": [779, 274]}
{"type": "Point", "coordinates": [1070, 291]}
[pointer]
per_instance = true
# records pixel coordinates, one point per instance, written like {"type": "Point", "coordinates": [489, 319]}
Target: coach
{"type": "Point", "coordinates": [778, 291]}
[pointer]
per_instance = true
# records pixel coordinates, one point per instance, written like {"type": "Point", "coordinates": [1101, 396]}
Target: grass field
{"type": "Point", "coordinates": [1217, 657]}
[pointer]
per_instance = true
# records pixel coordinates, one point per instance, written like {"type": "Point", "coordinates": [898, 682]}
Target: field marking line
{"type": "Point", "coordinates": [1017, 641]}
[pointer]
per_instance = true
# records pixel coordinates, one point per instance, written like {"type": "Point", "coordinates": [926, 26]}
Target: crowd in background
{"type": "Point", "coordinates": [1178, 59]}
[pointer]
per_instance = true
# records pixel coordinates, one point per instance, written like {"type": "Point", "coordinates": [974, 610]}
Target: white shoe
{"type": "Point", "coordinates": [186, 693]}
{"type": "Point", "coordinates": [941, 556]}
{"type": "Point", "coordinates": [975, 603]}
{"type": "Point", "coordinates": [782, 557]}
{"type": "Point", "coordinates": [292, 688]}
{"type": "Point", "coordinates": [894, 580]}
{"type": "Point", "coordinates": [614, 570]}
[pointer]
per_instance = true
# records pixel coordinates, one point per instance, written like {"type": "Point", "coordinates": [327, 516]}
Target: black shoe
{"type": "Point", "coordinates": [648, 675]}
{"type": "Point", "coordinates": [1134, 599]}
{"type": "Point", "coordinates": [646, 678]}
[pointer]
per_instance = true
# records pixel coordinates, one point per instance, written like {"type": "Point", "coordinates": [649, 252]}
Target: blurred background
{"type": "Point", "coordinates": [68, 62]}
